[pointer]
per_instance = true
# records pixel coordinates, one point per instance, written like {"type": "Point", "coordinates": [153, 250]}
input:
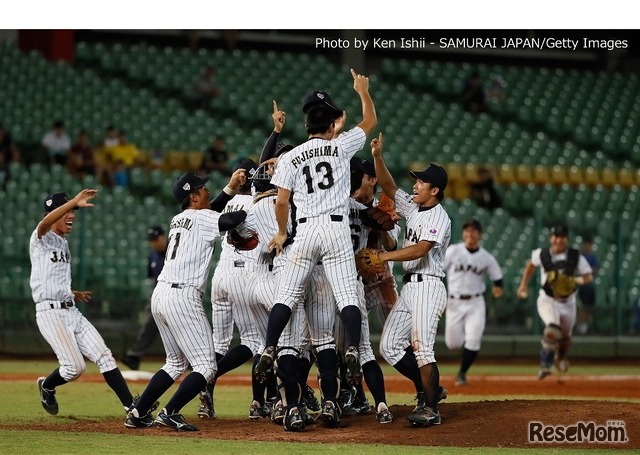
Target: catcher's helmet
{"type": "Point", "coordinates": [262, 179]}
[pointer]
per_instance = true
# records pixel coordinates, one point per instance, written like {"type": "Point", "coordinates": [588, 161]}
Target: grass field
{"type": "Point", "coordinates": [90, 401]}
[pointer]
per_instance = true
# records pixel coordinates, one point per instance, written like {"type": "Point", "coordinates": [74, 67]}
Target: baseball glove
{"type": "Point", "coordinates": [561, 285]}
{"type": "Point", "coordinates": [378, 219]}
{"type": "Point", "coordinates": [385, 203]}
{"type": "Point", "coordinates": [242, 243]}
{"type": "Point", "coordinates": [368, 263]}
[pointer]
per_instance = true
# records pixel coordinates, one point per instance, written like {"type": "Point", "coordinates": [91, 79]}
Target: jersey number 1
{"type": "Point", "coordinates": [175, 245]}
{"type": "Point", "coordinates": [326, 179]}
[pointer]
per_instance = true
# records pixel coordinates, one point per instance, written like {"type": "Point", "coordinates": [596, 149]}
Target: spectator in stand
{"type": "Point", "coordinates": [216, 158]}
{"type": "Point", "coordinates": [124, 156]}
{"type": "Point", "coordinates": [111, 137]}
{"type": "Point", "coordinates": [206, 88]}
{"type": "Point", "coordinates": [8, 153]}
{"type": "Point", "coordinates": [81, 160]}
{"type": "Point", "coordinates": [57, 143]}
{"type": "Point", "coordinates": [483, 191]}
{"type": "Point", "coordinates": [473, 95]}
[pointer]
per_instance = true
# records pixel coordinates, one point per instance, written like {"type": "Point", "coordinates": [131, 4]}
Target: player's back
{"type": "Point", "coordinates": [318, 174]}
{"type": "Point", "coordinates": [228, 251]}
{"type": "Point", "coordinates": [192, 236]}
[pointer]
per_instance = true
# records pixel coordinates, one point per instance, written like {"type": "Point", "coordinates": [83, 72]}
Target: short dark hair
{"type": "Point", "coordinates": [318, 119]}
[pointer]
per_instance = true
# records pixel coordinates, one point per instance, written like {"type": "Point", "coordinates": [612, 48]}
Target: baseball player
{"type": "Point", "coordinates": [317, 173]}
{"type": "Point", "coordinates": [466, 265]}
{"type": "Point", "coordinates": [413, 321]}
{"type": "Point", "coordinates": [232, 262]}
{"type": "Point", "coordinates": [149, 331]}
{"type": "Point", "coordinates": [63, 326]}
{"type": "Point", "coordinates": [562, 269]}
{"type": "Point", "coordinates": [176, 302]}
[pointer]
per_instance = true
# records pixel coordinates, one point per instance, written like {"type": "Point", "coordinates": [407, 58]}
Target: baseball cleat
{"type": "Point", "coordinates": [330, 415]}
{"type": "Point", "coordinates": [351, 360]}
{"type": "Point", "coordinates": [309, 398]}
{"type": "Point", "coordinates": [562, 365]}
{"type": "Point", "coordinates": [461, 379]}
{"type": "Point", "coordinates": [443, 394]}
{"type": "Point", "coordinates": [424, 415]}
{"type": "Point", "coordinates": [293, 420]}
{"type": "Point", "coordinates": [47, 397]}
{"type": "Point", "coordinates": [383, 414]}
{"type": "Point", "coordinates": [256, 410]}
{"type": "Point", "coordinates": [544, 372]}
{"type": "Point", "coordinates": [175, 421]}
{"type": "Point", "coordinates": [265, 364]}
{"type": "Point", "coordinates": [134, 421]}
{"type": "Point", "coordinates": [277, 414]}
{"type": "Point", "coordinates": [206, 410]}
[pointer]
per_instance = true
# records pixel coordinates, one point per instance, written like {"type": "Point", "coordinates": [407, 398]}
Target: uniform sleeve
{"type": "Point", "coordinates": [435, 228]}
{"type": "Point", "coordinates": [404, 204]}
{"type": "Point", "coordinates": [494, 271]}
{"type": "Point", "coordinates": [583, 267]}
{"type": "Point", "coordinates": [209, 225]}
{"type": "Point", "coordinates": [535, 257]}
{"type": "Point", "coordinates": [283, 176]}
{"type": "Point", "coordinates": [352, 141]}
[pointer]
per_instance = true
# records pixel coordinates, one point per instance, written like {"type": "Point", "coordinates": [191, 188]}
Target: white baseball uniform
{"type": "Point", "coordinates": [63, 326]}
{"type": "Point", "coordinates": [231, 263]}
{"type": "Point", "coordinates": [560, 312]}
{"type": "Point", "coordinates": [466, 311]}
{"type": "Point", "coordinates": [423, 297]}
{"type": "Point", "coordinates": [176, 303]}
{"type": "Point", "coordinates": [318, 174]}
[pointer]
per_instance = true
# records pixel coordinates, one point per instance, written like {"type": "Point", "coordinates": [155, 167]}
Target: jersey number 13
{"type": "Point", "coordinates": [325, 180]}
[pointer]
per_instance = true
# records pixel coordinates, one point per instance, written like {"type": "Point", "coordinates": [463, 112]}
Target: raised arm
{"type": "Point", "coordinates": [369, 119]}
{"type": "Point", "coordinates": [269, 148]}
{"type": "Point", "coordinates": [80, 200]}
{"type": "Point", "coordinates": [220, 201]}
{"type": "Point", "coordinates": [382, 173]}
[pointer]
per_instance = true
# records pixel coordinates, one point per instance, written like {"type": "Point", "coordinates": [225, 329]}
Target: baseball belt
{"type": "Point", "coordinates": [465, 296]}
{"type": "Point", "coordinates": [50, 305]}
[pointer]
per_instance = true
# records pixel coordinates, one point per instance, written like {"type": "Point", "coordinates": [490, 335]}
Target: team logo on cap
{"type": "Point", "coordinates": [186, 187]}
{"type": "Point", "coordinates": [320, 95]}
{"type": "Point", "coordinates": [252, 171]}
{"type": "Point", "coordinates": [49, 202]}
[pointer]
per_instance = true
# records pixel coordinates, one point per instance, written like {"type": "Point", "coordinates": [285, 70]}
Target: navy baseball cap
{"type": "Point", "coordinates": [188, 182]}
{"type": "Point", "coordinates": [434, 174]}
{"type": "Point", "coordinates": [319, 98]}
{"type": "Point", "coordinates": [561, 230]}
{"type": "Point", "coordinates": [369, 168]}
{"type": "Point", "coordinates": [283, 148]}
{"type": "Point", "coordinates": [154, 232]}
{"type": "Point", "coordinates": [248, 165]}
{"type": "Point", "coordinates": [55, 200]}
{"type": "Point", "coordinates": [472, 223]}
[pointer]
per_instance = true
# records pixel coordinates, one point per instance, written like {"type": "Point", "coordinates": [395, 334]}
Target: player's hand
{"type": "Point", "coordinates": [376, 145]}
{"type": "Point", "coordinates": [277, 243]}
{"type": "Point", "coordinates": [523, 293]}
{"type": "Point", "coordinates": [339, 124]}
{"type": "Point", "coordinates": [83, 197]}
{"type": "Point", "coordinates": [360, 82]}
{"type": "Point", "coordinates": [497, 292]}
{"type": "Point", "coordinates": [278, 118]}
{"type": "Point", "coordinates": [82, 296]}
{"type": "Point", "coordinates": [238, 178]}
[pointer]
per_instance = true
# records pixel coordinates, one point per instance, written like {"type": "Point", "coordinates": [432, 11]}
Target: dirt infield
{"type": "Point", "coordinates": [498, 423]}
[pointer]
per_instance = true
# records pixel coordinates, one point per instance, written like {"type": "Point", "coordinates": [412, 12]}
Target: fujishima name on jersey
{"type": "Point", "coordinates": [182, 223]}
{"type": "Point", "coordinates": [326, 150]}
